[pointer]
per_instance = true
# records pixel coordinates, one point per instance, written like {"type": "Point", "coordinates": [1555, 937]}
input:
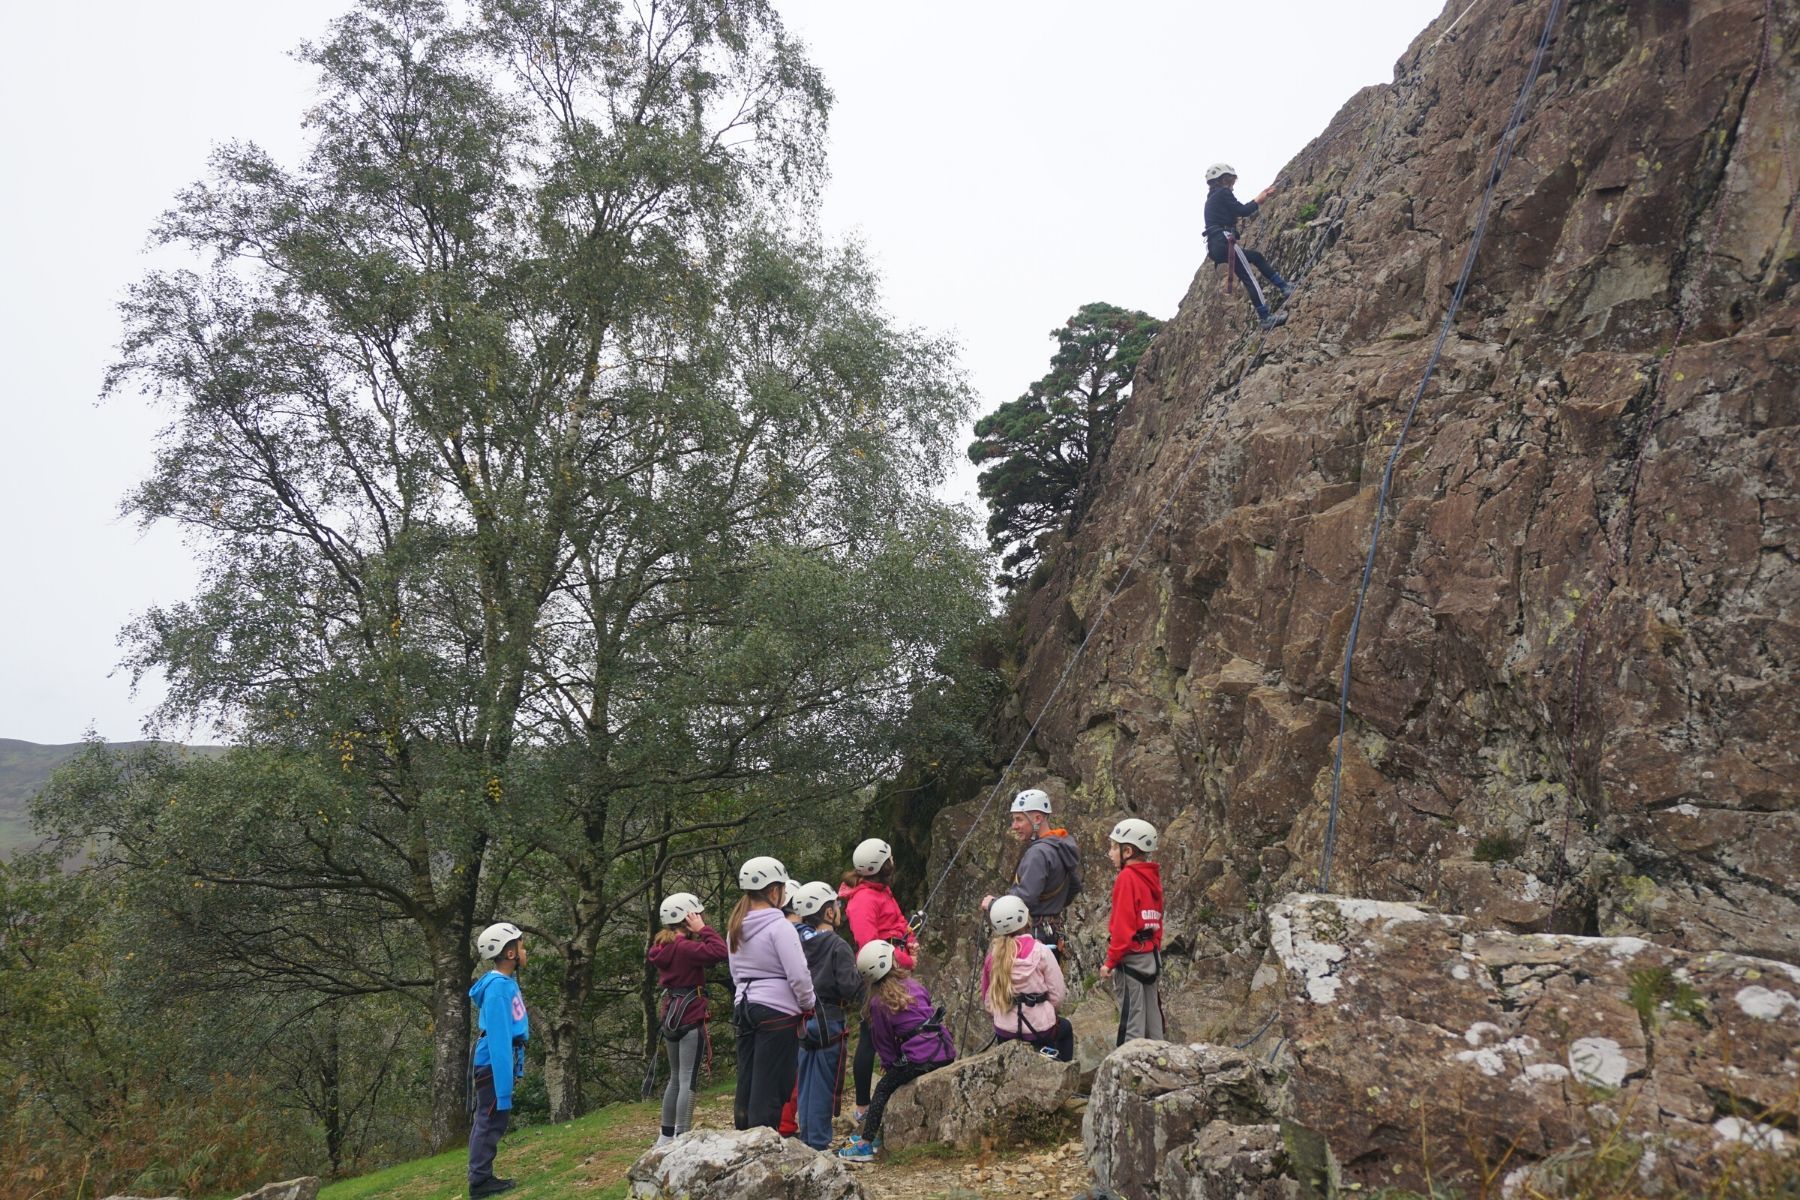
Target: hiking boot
{"type": "Point", "coordinates": [858, 1151]}
{"type": "Point", "coordinates": [1274, 319]}
{"type": "Point", "coordinates": [492, 1187]}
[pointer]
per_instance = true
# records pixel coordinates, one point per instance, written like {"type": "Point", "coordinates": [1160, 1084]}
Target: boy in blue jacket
{"type": "Point", "coordinates": [499, 1055]}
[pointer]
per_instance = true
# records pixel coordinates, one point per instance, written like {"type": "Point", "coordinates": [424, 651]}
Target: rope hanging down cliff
{"type": "Point", "coordinates": [1617, 542]}
{"type": "Point", "coordinates": [1502, 156]}
{"type": "Point", "coordinates": [1330, 221]}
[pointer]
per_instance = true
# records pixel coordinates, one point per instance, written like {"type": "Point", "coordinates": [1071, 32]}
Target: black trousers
{"type": "Point", "coordinates": [488, 1128]}
{"type": "Point", "coordinates": [768, 1062]}
{"type": "Point", "coordinates": [892, 1080]}
{"type": "Point", "coordinates": [863, 1066]}
{"type": "Point", "coordinates": [1061, 1038]}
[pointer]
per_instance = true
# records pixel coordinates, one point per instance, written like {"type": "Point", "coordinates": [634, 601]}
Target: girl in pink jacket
{"type": "Point", "coordinates": [1023, 985]}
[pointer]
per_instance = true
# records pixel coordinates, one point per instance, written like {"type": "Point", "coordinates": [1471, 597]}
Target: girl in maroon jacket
{"type": "Point", "coordinates": [1134, 934]}
{"type": "Point", "coordinates": [681, 951]}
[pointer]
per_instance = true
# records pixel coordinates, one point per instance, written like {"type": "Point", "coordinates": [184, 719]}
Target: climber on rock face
{"type": "Point", "coordinates": [1049, 872]}
{"type": "Point", "coordinates": [1223, 211]}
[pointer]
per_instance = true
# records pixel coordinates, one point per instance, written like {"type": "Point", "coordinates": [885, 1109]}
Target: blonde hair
{"type": "Point", "coordinates": [665, 935]}
{"type": "Point", "coordinates": [892, 991]}
{"type": "Point", "coordinates": [1002, 950]}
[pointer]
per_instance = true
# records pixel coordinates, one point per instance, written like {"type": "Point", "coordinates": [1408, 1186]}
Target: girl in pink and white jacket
{"type": "Point", "coordinates": [1023, 985]}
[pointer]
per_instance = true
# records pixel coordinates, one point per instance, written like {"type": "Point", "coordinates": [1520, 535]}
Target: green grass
{"type": "Point", "coordinates": [585, 1158]}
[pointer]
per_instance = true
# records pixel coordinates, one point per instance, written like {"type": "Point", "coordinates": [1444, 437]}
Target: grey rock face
{"type": "Point", "coordinates": [1167, 1120]}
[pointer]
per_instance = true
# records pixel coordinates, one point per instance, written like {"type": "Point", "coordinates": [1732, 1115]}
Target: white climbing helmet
{"type": "Point", "coordinates": [875, 961]}
{"type": "Point", "coordinates": [495, 938]}
{"type": "Point", "coordinates": [812, 897]}
{"type": "Point", "coordinates": [679, 907]}
{"type": "Point", "coordinates": [1032, 800]}
{"type": "Point", "coordinates": [871, 855]}
{"type": "Point", "coordinates": [1008, 914]}
{"type": "Point", "coordinates": [1133, 832]}
{"type": "Point", "coordinates": [1219, 171]}
{"type": "Point", "coordinates": [759, 872]}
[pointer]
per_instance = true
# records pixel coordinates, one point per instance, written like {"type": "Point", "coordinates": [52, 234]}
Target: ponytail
{"type": "Point", "coordinates": [1002, 950]}
{"type": "Point", "coordinates": [734, 928]}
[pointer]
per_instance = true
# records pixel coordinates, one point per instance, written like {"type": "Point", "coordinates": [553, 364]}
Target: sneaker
{"type": "Point", "coordinates": [492, 1187]}
{"type": "Point", "coordinates": [1287, 291]}
{"type": "Point", "coordinates": [1273, 320]}
{"type": "Point", "coordinates": [662, 1139]}
{"type": "Point", "coordinates": [858, 1151]}
{"type": "Point", "coordinates": [859, 1112]}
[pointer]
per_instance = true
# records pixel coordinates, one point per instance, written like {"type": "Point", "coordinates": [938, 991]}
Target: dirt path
{"type": "Point", "coordinates": [1051, 1173]}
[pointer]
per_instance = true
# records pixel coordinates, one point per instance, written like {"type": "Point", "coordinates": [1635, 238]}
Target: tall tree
{"type": "Point", "coordinates": [1043, 448]}
{"type": "Point", "coordinates": [542, 481]}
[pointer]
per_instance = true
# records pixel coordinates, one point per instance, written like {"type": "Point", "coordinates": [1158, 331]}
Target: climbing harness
{"type": "Point", "coordinates": [1238, 262]}
{"type": "Point", "coordinates": [1502, 156]}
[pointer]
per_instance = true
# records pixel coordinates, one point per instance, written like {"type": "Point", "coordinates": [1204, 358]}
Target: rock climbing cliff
{"type": "Point", "coordinates": [1574, 697]}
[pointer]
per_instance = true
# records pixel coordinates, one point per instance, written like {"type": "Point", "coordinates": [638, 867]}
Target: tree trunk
{"type": "Point", "coordinates": [562, 1070]}
{"type": "Point", "coordinates": [562, 1066]}
{"type": "Point", "coordinates": [451, 968]}
{"type": "Point", "coordinates": [331, 1090]}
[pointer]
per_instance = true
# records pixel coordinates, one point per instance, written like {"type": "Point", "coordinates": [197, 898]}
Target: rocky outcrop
{"type": "Point", "coordinates": [747, 1164]}
{"type": "Point", "coordinates": [1575, 687]}
{"type": "Point", "coordinates": [1008, 1096]}
{"type": "Point", "coordinates": [1181, 1122]}
{"type": "Point", "coordinates": [1419, 1042]}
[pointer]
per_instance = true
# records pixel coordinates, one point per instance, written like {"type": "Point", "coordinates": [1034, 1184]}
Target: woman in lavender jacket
{"type": "Point", "coordinates": [772, 993]}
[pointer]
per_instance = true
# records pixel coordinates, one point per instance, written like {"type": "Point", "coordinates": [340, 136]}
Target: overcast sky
{"type": "Point", "coordinates": [1006, 161]}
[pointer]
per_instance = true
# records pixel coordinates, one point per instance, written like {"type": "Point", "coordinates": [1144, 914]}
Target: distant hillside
{"type": "Point", "coordinates": [24, 768]}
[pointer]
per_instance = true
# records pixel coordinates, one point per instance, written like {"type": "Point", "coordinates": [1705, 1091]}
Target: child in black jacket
{"type": "Point", "coordinates": [1223, 211]}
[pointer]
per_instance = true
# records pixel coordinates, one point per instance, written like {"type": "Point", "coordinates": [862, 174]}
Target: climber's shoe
{"type": "Point", "coordinates": [493, 1187]}
{"type": "Point", "coordinates": [860, 1150]}
{"type": "Point", "coordinates": [1274, 319]}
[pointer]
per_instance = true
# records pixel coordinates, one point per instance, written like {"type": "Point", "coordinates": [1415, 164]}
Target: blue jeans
{"type": "Point", "coordinates": [819, 1074]}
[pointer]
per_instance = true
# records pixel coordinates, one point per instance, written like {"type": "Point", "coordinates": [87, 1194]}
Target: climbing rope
{"type": "Point", "coordinates": [1502, 156]}
{"type": "Point", "coordinates": [1617, 542]}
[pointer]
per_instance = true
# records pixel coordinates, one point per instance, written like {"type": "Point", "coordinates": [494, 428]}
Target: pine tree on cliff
{"type": "Point", "coordinates": [1044, 447]}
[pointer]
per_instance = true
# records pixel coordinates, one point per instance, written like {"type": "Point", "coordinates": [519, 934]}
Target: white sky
{"type": "Point", "coordinates": [1005, 161]}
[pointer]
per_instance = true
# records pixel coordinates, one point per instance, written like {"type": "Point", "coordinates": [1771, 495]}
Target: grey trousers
{"type": "Point", "coordinates": [1140, 1008]}
{"type": "Point", "coordinates": [485, 1133]}
{"type": "Point", "coordinates": [684, 1074]}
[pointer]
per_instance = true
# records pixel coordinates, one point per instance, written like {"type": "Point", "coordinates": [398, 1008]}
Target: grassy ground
{"type": "Point", "coordinates": [585, 1158]}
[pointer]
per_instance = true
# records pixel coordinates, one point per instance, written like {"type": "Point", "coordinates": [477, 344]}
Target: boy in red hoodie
{"type": "Point", "coordinates": [1134, 941]}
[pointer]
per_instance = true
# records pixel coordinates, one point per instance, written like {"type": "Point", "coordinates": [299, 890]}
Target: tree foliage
{"type": "Point", "coordinates": [1041, 450]}
{"type": "Point", "coordinates": [564, 509]}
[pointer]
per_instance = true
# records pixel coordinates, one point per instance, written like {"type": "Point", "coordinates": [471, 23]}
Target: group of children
{"type": "Point", "coordinates": [796, 979]}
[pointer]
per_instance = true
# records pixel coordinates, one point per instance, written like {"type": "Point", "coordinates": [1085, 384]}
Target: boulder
{"type": "Point", "coordinates": [742, 1164]}
{"type": "Point", "coordinates": [1168, 1120]}
{"type": "Point", "coordinates": [1414, 1034]}
{"type": "Point", "coordinates": [1096, 1023]}
{"type": "Point", "coordinates": [305, 1188]}
{"type": "Point", "coordinates": [1008, 1096]}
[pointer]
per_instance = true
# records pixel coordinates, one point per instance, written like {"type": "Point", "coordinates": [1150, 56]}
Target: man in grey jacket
{"type": "Point", "coordinates": [1048, 876]}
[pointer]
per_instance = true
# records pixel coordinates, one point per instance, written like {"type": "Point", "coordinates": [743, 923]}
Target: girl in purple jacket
{"type": "Point", "coordinates": [909, 1036]}
{"type": "Point", "coordinates": [681, 951]}
{"type": "Point", "coordinates": [772, 994]}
